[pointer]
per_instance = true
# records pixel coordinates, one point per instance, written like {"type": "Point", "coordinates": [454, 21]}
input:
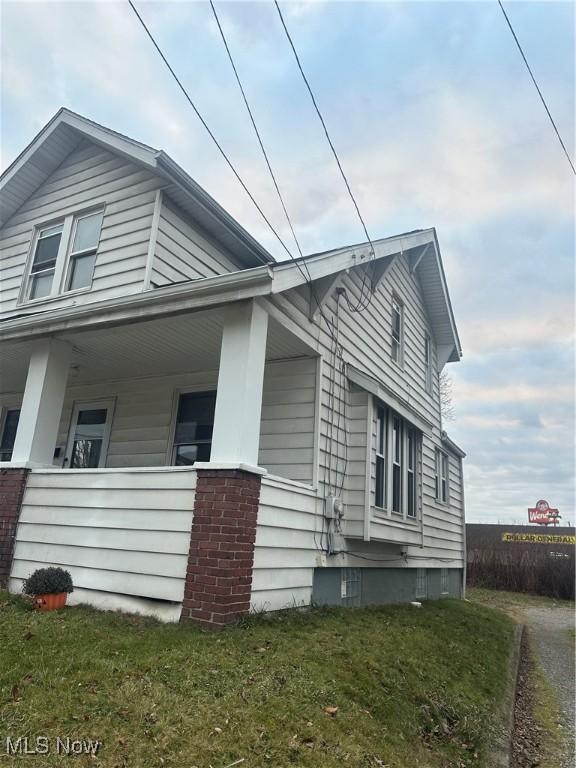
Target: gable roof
{"type": "Point", "coordinates": [67, 129]}
{"type": "Point", "coordinates": [421, 249]}
{"type": "Point", "coordinates": [64, 133]}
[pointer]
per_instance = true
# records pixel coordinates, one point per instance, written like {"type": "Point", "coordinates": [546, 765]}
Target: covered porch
{"type": "Point", "coordinates": [226, 385]}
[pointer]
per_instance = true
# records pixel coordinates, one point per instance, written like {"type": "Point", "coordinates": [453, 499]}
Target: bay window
{"type": "Point", "coordinates": [397, 457]}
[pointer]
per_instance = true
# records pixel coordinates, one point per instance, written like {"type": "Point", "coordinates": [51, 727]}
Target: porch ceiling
{"type": "Point", "coordinates": [186, 343]}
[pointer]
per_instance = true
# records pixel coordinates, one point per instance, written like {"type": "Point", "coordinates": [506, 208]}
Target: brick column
{"type": "Point", "coordinates": [221, 557]}
{"type": "Point", "coordinates": [12, 484]}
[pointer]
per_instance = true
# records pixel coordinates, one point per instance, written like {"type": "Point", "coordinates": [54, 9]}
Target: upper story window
{"type": "Point", "coordinates": [63, 256]}
{"type": "Point", "coordinates": [194, 426]}
{"type": "Point", "coordinates": [86, 234]}
{"type": "Point", "coordinates": [397, 452]}
{"type": "Point", "coordinates": [8, 433]}
{"type": "Point", "coordinates": [397, 330]}
{"type": "Point", "coordinates": [44, 262]}
{"type": "Point", "coordinates": [428, 362]}
{"type": "Point", "coordinates": [442, 477]}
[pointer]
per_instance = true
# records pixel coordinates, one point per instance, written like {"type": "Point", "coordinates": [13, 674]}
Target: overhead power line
{"type": "Point", "coordinates": [258, 136]}
{"type": "Point", "coordinates": [363, 302]}
{"type": "Point", "coordinates": [208, 130]}
{"type": "Point", "coordinates": [542, 99]}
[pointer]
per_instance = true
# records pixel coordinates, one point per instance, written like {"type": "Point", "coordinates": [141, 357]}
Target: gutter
{"type": "Point", "coordinates": [182, 179]}
{"type": "Point", "coordinates": [451, 445]}
{"type": "Point", "coordinates": [160, 302]}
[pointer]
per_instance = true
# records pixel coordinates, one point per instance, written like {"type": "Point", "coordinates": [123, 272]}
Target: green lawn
{"type": "Point", "coordinates": [413, 687]}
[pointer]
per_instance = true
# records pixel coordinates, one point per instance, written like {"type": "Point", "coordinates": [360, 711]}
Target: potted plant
{"type": "Point", "coordinates": [49, 588]}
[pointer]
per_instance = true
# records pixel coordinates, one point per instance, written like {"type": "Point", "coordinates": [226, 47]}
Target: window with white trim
{"type": "Point", "coordinates": [43, 263]}
{"type": "Point", "coordinates": [10, 421]}
{"type": "Point", "coordinates": [397, 330]}
{"type": "Point", "coordinates": [194, 427]}
{"type": "Point", "coordinates": [381, 435]}
{"type": "Point", "coordinates": [63, 256]}
{"type": "Point", "coordinates": [82, 257]}
{"type": "Point", "coordinates": [442, 479]}
{"type": "Point", "coordinates": [397, 452]}
{"type": "Point", "coordinates": [428, 363]}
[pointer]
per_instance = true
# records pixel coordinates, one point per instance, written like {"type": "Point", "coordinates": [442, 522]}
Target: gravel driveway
{"type": "Point", "coordinates": [549, 632]}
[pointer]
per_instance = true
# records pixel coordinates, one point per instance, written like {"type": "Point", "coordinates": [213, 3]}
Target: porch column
{"type": "Point", "coordinates": [236, 435]}
{"type": "Point", "coordinates": [42, 403]}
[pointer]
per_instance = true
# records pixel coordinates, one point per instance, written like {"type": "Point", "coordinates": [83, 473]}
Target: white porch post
{"type": "Point", "coordinates": [236, 435]}
{"type": "Point", "coordinates": [42, 403]}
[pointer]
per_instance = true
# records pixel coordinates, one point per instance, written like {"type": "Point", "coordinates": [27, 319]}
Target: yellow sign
{"type": "Point", "coordinates": [539, 538]}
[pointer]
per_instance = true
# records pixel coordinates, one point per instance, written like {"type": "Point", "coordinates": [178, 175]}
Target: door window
{"type": "Point", "coordinates": [89, 435]}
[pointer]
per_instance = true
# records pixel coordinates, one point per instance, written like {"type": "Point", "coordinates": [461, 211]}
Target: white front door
{"type": "Point", "coordinates": [89, 435]}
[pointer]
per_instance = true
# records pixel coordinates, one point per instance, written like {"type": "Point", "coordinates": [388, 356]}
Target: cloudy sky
{"type": "Point", "coordinates": [437, 124]}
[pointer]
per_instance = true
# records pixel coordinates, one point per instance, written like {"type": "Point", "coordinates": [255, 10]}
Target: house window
{"type": "Point", "coordinates": [381, 433]}
{"type": "Point", "coordinates": [9, 427]}
{"type": "Point", "coordinates": [397, 330]}
{"type": "Point", "coordinates": [85, 238]}
{"type": "Point", "coordinates": [421, 587]}
{"type": "Point", "coordinates": [397, 461]}
{"type": "Point", "coordinates": [411, 472]}
{"type": "Point", "coordinates": [44, 262]}
{"type": "Point", "coordinates": [442, 468]}
{"type": "Point", "coordinates": [444, 588]}
{"type": "Point", "coordinates": [194, 425]}
{"type": "Point", "coordinates": [396, 457]}
{"type": "Point", "coordinates": [64, 256]}
{"type": "Point", "coordinates": [428, 362]}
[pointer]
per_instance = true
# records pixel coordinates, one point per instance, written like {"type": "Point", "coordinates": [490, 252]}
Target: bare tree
{"type": "Point", "coordinates": [446, 403]}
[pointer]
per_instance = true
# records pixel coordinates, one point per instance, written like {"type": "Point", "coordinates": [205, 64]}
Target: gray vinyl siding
{"type": "Point", "coordinates": [141, 432]}
{"type": "Point", "coordinates": [126, 533]}
{"type": "Point", "coordinates": [366, 344]}
{"type": "Point", "coordinates": [89, 176]}
{"type": "Point", "coordinates": [183, 252]}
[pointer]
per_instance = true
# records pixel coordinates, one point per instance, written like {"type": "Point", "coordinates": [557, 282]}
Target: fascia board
{"type": "Point", "coordinates": [171, 300]}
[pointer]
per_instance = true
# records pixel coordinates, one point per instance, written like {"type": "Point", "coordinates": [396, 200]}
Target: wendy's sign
{"type": "Point", "coordinates": [543, 514]}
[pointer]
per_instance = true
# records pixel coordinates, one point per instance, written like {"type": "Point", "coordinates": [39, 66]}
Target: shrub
{"type": "Point", "coordinates": [48, 581]}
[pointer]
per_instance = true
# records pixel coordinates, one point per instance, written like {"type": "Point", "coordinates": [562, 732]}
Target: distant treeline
{"type": "Point", "coordinates": [497, 562]}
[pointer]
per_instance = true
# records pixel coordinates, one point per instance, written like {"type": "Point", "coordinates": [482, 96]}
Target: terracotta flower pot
{"type": "Point", "coordinates": [50, 602]}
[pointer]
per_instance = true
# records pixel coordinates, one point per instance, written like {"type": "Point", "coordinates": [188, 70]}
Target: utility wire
{"type": "Point", "coordinates": [362, 302]}
{"type": "Point", "coordinates": [257, 132]}
{"type": "Point", "coordinates": [206, 126]}
{"type": "Point", "coordinates": [537, 87]}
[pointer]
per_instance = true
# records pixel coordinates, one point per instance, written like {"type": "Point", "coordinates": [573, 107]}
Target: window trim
{"type": "Point", "coordinates": [396, 300]}
{"type": "Point", "coordinates": [61, 267]}
{"type": "Point", "coordinates": [406, 427]}
{"type": "Point", "coordinates": [439, 477]}
{"type": "Point", "coordinates": [428, 374]}
{"type": "Point", "coordinates": [4, 411]}
{"type": "Point", "coordinates": [88, 405]}
{"type": "Point", "coordinates": [177, 393]}
{"type": "Point", "coordinates": [421, 587]}
{"type": "Point", "coordinates": [71, 255]}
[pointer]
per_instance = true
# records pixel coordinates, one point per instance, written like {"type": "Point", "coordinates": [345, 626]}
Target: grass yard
{"type": "Point", "coordinates": [396, 686]}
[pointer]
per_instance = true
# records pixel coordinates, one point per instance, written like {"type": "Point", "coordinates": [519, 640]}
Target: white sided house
{"type": "Point", "coordinates": [192, 429]}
